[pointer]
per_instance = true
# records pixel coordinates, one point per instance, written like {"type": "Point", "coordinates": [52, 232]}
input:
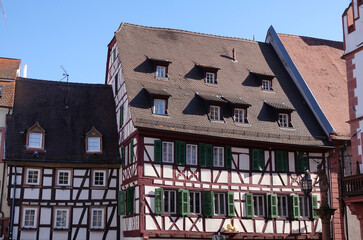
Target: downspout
{"type": "Point", "coordinates": [330, 196]}
{"type": "Point", "coordinates": [13, 205]}
{"type": "Point", "coordinates": [342, 204]}
{"type": "Point", "coordinates": [2, 191]}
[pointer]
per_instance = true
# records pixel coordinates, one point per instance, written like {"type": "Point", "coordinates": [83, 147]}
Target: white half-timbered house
{"type": "Point", "coordinates": [63, 162]}
{"type": "Point", "coordinates": [214, 137]}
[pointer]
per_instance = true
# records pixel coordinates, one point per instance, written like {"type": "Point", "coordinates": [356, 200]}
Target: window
{"type": "Point", "coordinates": [304, 206]}
{"type": "Point", "coordinates": [218, 159]}
{"type": "Point", "coordinates": [258, 159]}
{"type": "Point", "coordinates": [302, 162]}
{"type": "Point", "coordinates": [30, 217]}
{"type": "Point", "coordinates": [169, 201]}
{"type": "Point", "coordinates": [220, 203]}
{"type": "Point", "coordinates": [159, 106]}
{"type": "Point", "coordinates": [191, 154]}
{"type": "Point", "coordinates": [284, 120]}
{"type": "Point", "coordinates": [63, 177]}
{"type": "Point", "coordinates": [215, 113]}
{"type": "Point", "coordinates": [97, 218]}
{"type": "Point", "coordinates": [210, 78]}
{"type": "Point", "coordinates": [94, 144]}
{"type": "Point", "coordinates": [282, 205]}
{"type": "Point", "coordinates": [61, 218]}
{"type": "Point", "coordinates": [240, 115]}
{"type": "Point", "coordinates": [168, 152]}
{"type": "Point", "coordinates": [99, 178]}
{"type": "Point", "coordinates": [258, 206]}
{"type": "Point", "coordinates": [160, 71]}
{"type": "Point", "coordinates": [116, 83]}
{"type": "Point", "coordinates": [266, 85]}
{"type": "Point", "coordinates": [121, 116]}
{"type": "Point", "coordinates": [282, 161]}
{"type": "Point", "coordinates": [114, 54]}
{"type": "Point", "coordinates": [35, 140]}
{"type": "Point", "coordinates": [32, 176]}
{"type": "Point", "coordinates": [195, 202]}
{"type": "Point", "coordinates": [1, 91]}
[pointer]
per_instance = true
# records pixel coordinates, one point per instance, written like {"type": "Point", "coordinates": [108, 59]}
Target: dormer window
{"type": "Point", "coordinates": [159, 106]}
{"type": "Point", "coordinates": [93, 141]}
{"type": "Point", "coordinates": [35, 138]}
{"type": "Point", "coordinates": [240, 115]}
{"type": "Point", "coordinates": [284, 114]}
{"type": "Point", "coordinates": [210, 78]}
{"type": "Point", "coordinates": [267, 85]}
{"type": "Point", "coordinates": [215, 113]}
{"type": "Point", "coordinates": [284, 120]}
{"type": "Point", "coordinates": [161, 71]}
{"type": "Point", "coordinates": [161, 67]}
{"type": "Point", "coordinates": [210, 74]}
{"type": "Point", "coordinates": [159, 100]}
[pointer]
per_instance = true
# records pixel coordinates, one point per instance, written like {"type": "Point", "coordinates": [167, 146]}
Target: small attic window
{"type": "Point", "coordinates": [35, 138]}
{"type": "Point", "coordinates": [160, 71]}
{"type": "Point", "coordinates": [159, 106]}
{"type": "Point", "coordinates": [161, 67]}
{"type": "Point", "coordinates": [210, 74]}
{"type": "Point", "coordinates": [210, 78]}
{"type": "Point", "coordinates": [284, 120]}
{"type": "Point", "coordinates": [93, 141]}
{"type": "Point", "coordinates": [266, 85]}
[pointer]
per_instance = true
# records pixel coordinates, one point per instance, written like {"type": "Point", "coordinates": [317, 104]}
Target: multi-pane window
{"type": "Point", "coordinates": [99, 178]}
{"type": "Point", "coordinates": [160, 71]}
{"type": "Point", "coordinates": [282, 206]}
{"type": "Point", "coordinates": [63, 177]}
{"type": "Point", "coordinates": [195, 202]}
{"type": "Point", "coordinates": [284, 120]}
{"type": "Point", "coordinates": [35, 140]}
{"type": "Point", "coordinates": [32, 176]}
{"type": "Point", "coordinates": [168, 152]}
{"type": "Point", "coordinates": [304, 206]}
{"type": "Point", "coordinates": [30, 217]}
{"type": "Point", "coordinates": [266, 85]}
{"type": "Point", "coordinates": [210, 78]}
{"type": "Point", "coordinates": [220, 203]}
{"type": "Point", "coordinates": [169, 201]}
{"type": "Point", "coordinates": [61, 218]}
{"type": "Point", "coordinates": [159, 106]}
{"type": "Point", "coordinates": [93, 144]}
{"type": "Point", "coordinates": [258, 206]}
{"type": "Point", "coordinates": [215, 113]}
{"type": "Point", "coordinates": [191, 154]}
{"type": "Point", "coordinates": [218, 159]}
{"type": "Point", "coordinates": [97, 218]}
{"type": "Point", "coordinates": [240, 115]}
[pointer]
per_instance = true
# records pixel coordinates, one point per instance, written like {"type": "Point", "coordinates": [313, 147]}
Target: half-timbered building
{"type": "Point", "coordinates": [214, 137]}
{"type": "Point", "coordinates": [63, 161]}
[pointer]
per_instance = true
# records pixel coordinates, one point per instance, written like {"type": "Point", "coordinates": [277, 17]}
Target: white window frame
{"type": "Point", "coordinates": [100, 225]}
{"type": "Point", "coordinates": [191, 154]}
{"type": "Point", "coordinates": [197, 196]}
{"type": "Point", "coordinates": [284, 120]}
{"type": "Point", "coordinates": [66, 223]}
{"type": "Point", "coordinates": [69, 177]}
{"type": "Point", "coordinates": [169, 201]}
{"type": "Point", "coordinates": [35, 217]}
{"type": "Point", "coordinates": [219, 206]}
{"type": "Point", "coordinates": [282, 206]}
{"type": "Point", "coordinates": [93, 144]}
{"type": "Point", "coordinates": [210, 78]}
{"type": "Point", "coordinates": [215, 113]}
{"type": "Point", "coordinates": [159, 106]}
{"type": "Point", "coordinates": [160, 71]}
{"type": "Point", "coordinates": [28, 170]}
{"type": "Point", "coordinates": [304, 202]}
{"type": "Point", "coordinates": [35, 140]}
{"type": "Point", "coordinates": [167, 152]}
{"type": "Point", "coordinates": [259, 206]}
{"type": "Point", "coordinates": [218, 156]}
{"type": "Point", "coordinates": [94, 178]}
{"type": "Point", "coordinates": [266, 85]}
{"type": "Point", "coordinates": [239, 115]}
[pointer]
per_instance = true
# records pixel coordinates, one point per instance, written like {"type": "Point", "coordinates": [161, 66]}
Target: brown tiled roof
{"type": "Point", "coordinates": [236, 101]}
{"type": "Point", "coordinates": [280, 106]}
{"type": "Point", "coordinates": [187, 112]}
{"type": "Point", "coordinates": [9, 68]}
{"type": "Point", "coordinates": [157, 92]}
{"type": "Point", "coordinates": [7, 94]}
{"type": "Point", "coordinates": [320, 64]}
{"type": "Point", "coordinates": [211, 98]}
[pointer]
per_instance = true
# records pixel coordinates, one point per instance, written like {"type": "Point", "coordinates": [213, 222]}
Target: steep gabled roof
{"type": "Point", "coordinates": [66, 112]}
{"type": "Point", "coordinates": [9, 68]}
{"type": "Point", "coordinates": [187, 112]}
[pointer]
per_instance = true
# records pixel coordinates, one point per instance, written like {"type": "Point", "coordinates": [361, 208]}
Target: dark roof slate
{"type": "Point", "coordinates": [65, 125]}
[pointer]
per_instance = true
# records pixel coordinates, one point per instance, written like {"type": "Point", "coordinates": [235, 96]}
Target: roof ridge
{"type": "Point", "coordinates": [294, 35]}
{"type": "Point", "coordinates": [10, 58]}
{"type": "Point", "coordinates": [60, 82]}
{"type": "Point", "coordinates": [188, 32]}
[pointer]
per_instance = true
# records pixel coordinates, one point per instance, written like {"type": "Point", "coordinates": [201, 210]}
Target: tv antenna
{"type": "Point", "coordinates": [66, 75]}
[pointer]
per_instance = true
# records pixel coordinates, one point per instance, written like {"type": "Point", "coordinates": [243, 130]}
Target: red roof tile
{"type": "Point", "coordinates": [9, 68]}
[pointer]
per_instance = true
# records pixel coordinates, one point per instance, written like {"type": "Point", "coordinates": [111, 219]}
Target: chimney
{"type": "Point", "coordinates": [234, 55]}
{"type": "Point", "coordinates": [25, 71]}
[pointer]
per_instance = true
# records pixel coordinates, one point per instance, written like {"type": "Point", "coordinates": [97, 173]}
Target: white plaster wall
{"type": "Point", "coordinates": [44, 234]}
{"type": "Point", "coordinates": [62, 194]}
{"type": "Point", "coordinates": [3, 113]}
{"type": "Point", "coordinates": [353, 39]}
{"type": "Point", "coordinates": [45, 215]}
{"type": "Point", "coordinates": [31, 193]}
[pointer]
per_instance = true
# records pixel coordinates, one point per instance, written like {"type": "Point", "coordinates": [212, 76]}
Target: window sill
{"type": "Point", "coordinates": [29, 229]}
{"type": "Point", "coordinates": [212, 84]}
{"type": "Point", "coordinates": [161, 115]}
{"type": "Point", "coordinates": [97, 229]}
{"type": "Point", "coordinates": [61, 229]}
{"type": "Point", "coordinates": [217, 121]}
{"type": "Point", "coordinates": [289, 129]}
{"type": "Point", "coordinates": [268, 91]}
{"type": "Point", "coordinates": [162, 78]}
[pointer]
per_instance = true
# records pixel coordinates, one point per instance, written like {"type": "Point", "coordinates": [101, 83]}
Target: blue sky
{"type": "Point", "coordinates": [46, 34]}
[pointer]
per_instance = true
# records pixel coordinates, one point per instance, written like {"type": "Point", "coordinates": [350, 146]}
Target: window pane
{"type": "Point", "coordinates": [159, 106]}
{"type": "Point", "coordinates": [35, 140]}
{"type": "Point", "coordinates": [63, 178]}
{"type": "Point", "coordinates": [29, 218]}
{"type": "Point", "coordinates": [97, 218]}
{"type": "Point", "coordinates": [99, 178]}
{"type": "Point", "coordinates": [32, 176]}
{"type": "Point", "coordinates": [172, 202]}
{"type": "Point", "coordinates": [94, 144]}
{"type": "Point", "coordinates": [61, 218]}
{"type": "Point", "coordinates": [167, 152]}
{"type": "Point", "coordinates": [197, 203]}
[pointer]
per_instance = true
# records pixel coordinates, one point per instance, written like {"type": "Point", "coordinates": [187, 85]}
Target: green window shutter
{"type": "Point", "coordinates": [180, 153]}
{"type": "Point", "coordinates": [158, 201]}
{"type": "Point", "coordinates": [258, 159]}
{"type": "Point", "coordinates": [202, 160]}
{"type": "Point", "coordinates": [314, 205]}
{"type": "Point", "coordinates": [121, 202]}
{"type": "Point", "coordinates": [230, 199]}
{"type": "Point", "coordinates": [273, 205]}
{"type": "Point", "coordinates": [228, 157]}
{"type": "Point", "coordinates": [209, 153]}
{"type": "Point", "coordinates": [294, 206]}
{"type": "Point", "coordinates": [183, 202]}
{"type": "Point", "coordinates": [157, 151]}
{"type": "Point", "coordinates": [281, 161]}
{"type": "Point", "coordinates": [121, 115]}
{"type": "Point", "coordinates": [268, 204]}
{"type": "Point", "coordinates": [130, 200]}
{"type": "Point", "coordinates": [208, 203]}
{"type": "Point", "coordinates": [114, 54]}
{"type": "Point", "coordinates": [132, 150]}
{"type": "Point", "coordinates": [302, 162]}
{"type": "Point", "coordinates": [249, 205]}
{"type": "Point", "coordinates": [123, 156]}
